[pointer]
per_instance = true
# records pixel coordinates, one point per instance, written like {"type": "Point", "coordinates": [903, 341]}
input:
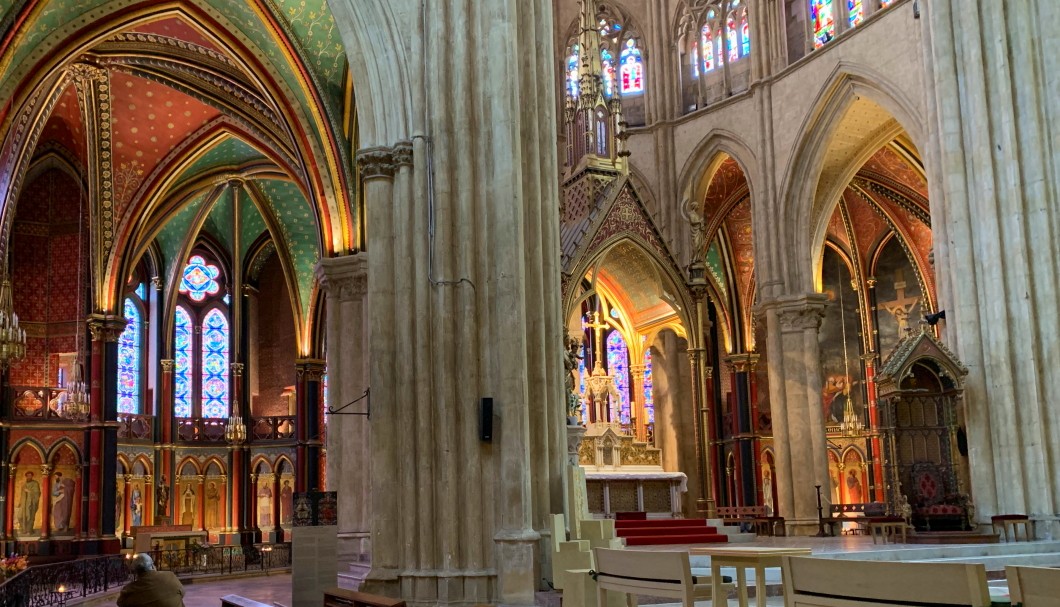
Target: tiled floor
{"type": "Point", "coordinates": [272, 589]}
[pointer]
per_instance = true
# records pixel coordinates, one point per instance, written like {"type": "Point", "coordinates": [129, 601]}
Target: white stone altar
{"type": "Point", "coordinates": [624, 475]}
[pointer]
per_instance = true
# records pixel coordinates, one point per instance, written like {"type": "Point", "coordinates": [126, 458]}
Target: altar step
{"type": "Point", "coordinates": [654, 532]}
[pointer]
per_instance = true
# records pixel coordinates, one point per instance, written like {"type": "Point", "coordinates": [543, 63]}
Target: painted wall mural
{"type": "Point", "coordinates": [843, 392]}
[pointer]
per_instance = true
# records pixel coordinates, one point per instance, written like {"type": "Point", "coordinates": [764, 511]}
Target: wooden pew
{"type": "Point", "coordinates": [661, 574]}
{"type": "Point", "coordinates": [1034, 586]}
{"type": "Point", "coordinates": [340, 597]}
{"type": "Point", "coordinates": [234, 600]}
{"type": "Point", "coordinates": [817, 582]}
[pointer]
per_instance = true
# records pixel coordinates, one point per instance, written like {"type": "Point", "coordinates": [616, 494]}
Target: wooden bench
{"type": "Point", "coordinates": [817, 582]}
{"type": "Point", "coordinates": [657, 574]}
{"type": "Point", "coordinates": [340, 597]}
{"type": "Point", "coordinates": [757, 516]}
{"type": "Point", "coordinates": [1034, 586]}
{"type": "Point", "coordinates": [234, 600]}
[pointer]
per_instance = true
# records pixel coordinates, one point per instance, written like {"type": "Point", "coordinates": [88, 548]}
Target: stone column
{"type": "Point", "coordinates": [9, 501]}
{"type": "Point", "coordinates": [992, 162]}
{"type": "Point", "coordinates": [463, 287]}
{"type": "Point", "coordinates": [309, 372]}
{"type": "Point", "coordinates": [795, 399]}
{"type": "Point", "coordinates": [126, 505]}
{"type": "Point", "coordinates": [743, 433]}
{"type": "Point", "coordinates": [45, 501]}
{"type": "Point", "coordinates": [345, 281]}
{"type": "Point", "coordinates": [637, 413]}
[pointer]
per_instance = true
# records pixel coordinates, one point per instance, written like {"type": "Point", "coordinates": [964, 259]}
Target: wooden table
{"type": "Point", "coordinates": [743, 558]}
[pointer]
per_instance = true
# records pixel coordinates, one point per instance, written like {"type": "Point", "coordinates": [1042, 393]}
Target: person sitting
{"type": "Point", "coordinates": [151, 588]}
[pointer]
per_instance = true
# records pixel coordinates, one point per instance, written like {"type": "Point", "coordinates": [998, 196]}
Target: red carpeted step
{"type": "Point", "coordinates": [690, 530]}
{"type": "Point", "coordinates": [656, 540]}
{"type": "Point", "coordinates": [662, 522]}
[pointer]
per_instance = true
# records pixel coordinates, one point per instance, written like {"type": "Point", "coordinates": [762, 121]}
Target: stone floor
{"type": "Point", "coordinates": [272, 590]}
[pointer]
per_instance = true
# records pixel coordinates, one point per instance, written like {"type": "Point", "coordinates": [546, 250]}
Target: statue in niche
{"type": "Point", "coordinates": [136, 505]}
{"type": "Point", "coordinates": [854, 495]}
{"type": "Point", "coordinates": [187, 516]}
{"type": "Point", "coordinates": [571, 358]}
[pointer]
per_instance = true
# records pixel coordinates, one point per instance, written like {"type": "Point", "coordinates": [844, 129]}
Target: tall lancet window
{"type": "Point", "coordinates": [745, 36]}
{"type": "Point", "coordinates": [573, 86]}
{"type": "Point", "coordinates": [632, 68]}
{"type": "Point", "coordinates": [734, 47]}
{"type": "Point", "coordinates": [607, 66]}
{"type": "Point", "coordinates": [618, 367]}
{"type": "Point", "coordinates": [706, 42]}
{"type": "Point", "coordinates": [201, 342]}
{"type": "Point", "coordinates": [130, 358]}
{"type": "Point", "coordinates": [823, 22]}
{"type": "Point", "coordinates": [855, 12]}
{"type": "Point", "coordinates": [182, 363]}
{"type": "Point", "coordinates": [649, 393]}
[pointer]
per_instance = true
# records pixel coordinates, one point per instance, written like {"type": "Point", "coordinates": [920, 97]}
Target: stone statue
{"type": "Point", "coordinates": [163, 497]}
{"type": "Point", "coordinates": [571, 357]}
{"type": "Point", "coordinates": [904, 509]}
{"type": "Point", "coordinates": [695, 222]}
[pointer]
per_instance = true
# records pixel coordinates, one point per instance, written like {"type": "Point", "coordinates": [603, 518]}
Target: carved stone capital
{"type": "Point", "coordinates": [376, 163]}
{"type": "Point", "coordinates": [237, 369]}
{"type": "Point", "coordinates": [312, 369]}
{"type": "Point", "coordinates": [403, 154]}
{"type": "Point", "coordinates": [106, 327]}
{"type": "Point", "coordinates": [168, 365]}
{"type": "Point", "coordinates": [343, 278]}
{"type": "Point", "coordinates": [796, 313]}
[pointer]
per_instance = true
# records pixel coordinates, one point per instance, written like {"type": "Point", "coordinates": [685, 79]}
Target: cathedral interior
{"type": "Point", "coordinates": [363, 263]}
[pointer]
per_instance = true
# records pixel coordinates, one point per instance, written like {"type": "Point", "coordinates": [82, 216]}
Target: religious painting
{"type": "Point", "coordinates": [843, 394]}
{"type": "Point", "coordinates": [215, 490]}
{"type": "Point", "coordinates": [264, 499]}
{"type": "Point", "coordinates": [286, 489]}
{"type": "Point", "coordinates": [28, 493]}
{"type": "Point", "coordinates": [136, 503]}
{"type": "Point", "coordinates": [898, 297]}
{"type": "Point", "coordinates": [64, 494]}
{"type": "Point", "coordinates": [834, 479]}
{"type": "Point", "coordinates": [188, 501]}
{"type": "Point", "coordinates": [769, 497]}
{"type": "Point", "coordinates": [855, 485]}
{"type": "Point", "coordinates": [119, 499]}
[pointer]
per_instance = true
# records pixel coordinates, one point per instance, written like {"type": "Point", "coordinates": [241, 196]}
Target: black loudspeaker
{"type": "Point", "coordinates": [485, 419]}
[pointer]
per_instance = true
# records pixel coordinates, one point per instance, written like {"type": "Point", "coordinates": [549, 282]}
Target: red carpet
{"type": "Point", "coordinates": [667, 531]}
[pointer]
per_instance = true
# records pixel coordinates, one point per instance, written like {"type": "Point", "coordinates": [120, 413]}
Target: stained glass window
{"type": "Point", "coordinates": [886, 3]}
{"type": "Point", "coordinates": [856, 12]}
{"type": "Point", "coordinates": [734, 48]}
{"type": "Point", "coordinates": [129, 360]}
{"type": "Point", "coordinates": [200, 279]}
{"type": "Point", "coordinates": [649, 395]}
{"type": "Point", "coordinates": [572, 71]}
{"type": "Point", "coordinates": [141, 291]}
{"type": "Point", "coordinates": [607, 66]}
{"type": "Point", "coordinates": [694, 54]}
{"type": "Point", "coordinates": [719, 52]}
{"type": "Point", "coordinates": [324, 396]}
{"type": "Point", "coordinates": [745, 36]}
{"type": "Point", "coordinates": [182, 363]}
{"type": "Point", "coordinates": [707, 43]}
{"type": "Point", "coordinates": [618, 367]}
{"type": "Point", "coordinates": [823, 22]}
{"type": "Point", "coordinates": [632, 71]}
{"type": "Point", "coordinates": [582, 374]}
{"type": "Point", "coordinates": [215, 364]}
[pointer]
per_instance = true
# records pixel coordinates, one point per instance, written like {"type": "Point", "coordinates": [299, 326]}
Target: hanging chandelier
{"type": "Point", "coordinates": [235, 431]}
{"type": "Point", "coordinates": [12, 337]}
{"type": "Point", "coordinates": [77, 405]}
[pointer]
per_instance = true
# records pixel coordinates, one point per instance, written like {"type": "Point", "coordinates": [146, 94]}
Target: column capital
{"type": "Point", "coordinates": [168, 364]}
{"type": "Point", "coordinates": [312, 368]}
{"type": "Point", "coordinates": [377, 163]}
{"type": "Point", "coordinates": [344, 278]}
{"type": "Point", "coordinates": [106, 327]}
{"type": "Point", "coordinates": [796, 313]}
{"type": "Point", "coordinates": [237, 369]}
{"type": "Point", "coordinates": [742, 362]}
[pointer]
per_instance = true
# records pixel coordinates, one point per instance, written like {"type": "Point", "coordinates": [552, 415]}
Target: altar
{"type": "Point", "coordinates": [626, 475]}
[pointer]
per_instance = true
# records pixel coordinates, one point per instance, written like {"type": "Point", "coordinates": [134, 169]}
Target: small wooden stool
{"type": "Point", "coordinates": [888, 528]}
{"type": "Point", "coordinates": [1013, 521]}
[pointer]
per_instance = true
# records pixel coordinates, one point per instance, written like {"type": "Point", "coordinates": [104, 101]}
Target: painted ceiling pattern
{"type": "Point", "coordinates": [251, 222]}
{"type": "Point", "coordinates": [221, 221]}
{"type": "Point", "coordinates": [175, 232]}
{"type": "Point", "coordinates": [295, 217]}
{"type": "Point", "coordinates": [738, 230]}
{"type": "Point", "coordinates": [65, 126]}
{"type": "Point", "coordinates": [228, 154]}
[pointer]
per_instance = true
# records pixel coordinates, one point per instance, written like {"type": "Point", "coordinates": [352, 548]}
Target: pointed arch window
{"type": "Point", "coordinates": [706, 42]}
{"type": "Point", "coordinates": [130, 358]}
{"type": "Point", "coordinates": [182, 363]}
{"type": "Point", "coordinates": [572, 72]}
{"type": "Point", "coordinates": [607, 68]}
{"type": "Point", "coordinates": [632, 68]}
{"type": "Point", "coordinates": [201, 343]}
{"type": "Point", "coordinates": [618, 367]}
{"type": "Point", "coordinates": [823, 22]}
{"type": "Point", "coordinates": [855, 12]}
{"type": "Point", "coordinates": [745, 35]}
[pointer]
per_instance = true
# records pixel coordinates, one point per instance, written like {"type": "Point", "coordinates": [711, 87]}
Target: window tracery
{"type": "Point", "coordinates": [201, 336]}
{"type": "Point", "coordinates": [130, 356]}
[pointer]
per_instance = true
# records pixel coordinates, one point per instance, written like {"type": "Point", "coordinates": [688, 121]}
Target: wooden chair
{"type": "Point", "coordinates": [657, 574]}
{"type": "Point", "coordinates": [1011, 522]}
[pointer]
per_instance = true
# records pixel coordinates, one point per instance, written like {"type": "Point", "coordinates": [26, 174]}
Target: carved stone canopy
{"type": "Point", "coordinates": [919, 347]}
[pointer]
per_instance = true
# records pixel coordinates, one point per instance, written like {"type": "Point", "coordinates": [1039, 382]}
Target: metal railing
{"type": "Point", "coordinates": [57, 583]}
